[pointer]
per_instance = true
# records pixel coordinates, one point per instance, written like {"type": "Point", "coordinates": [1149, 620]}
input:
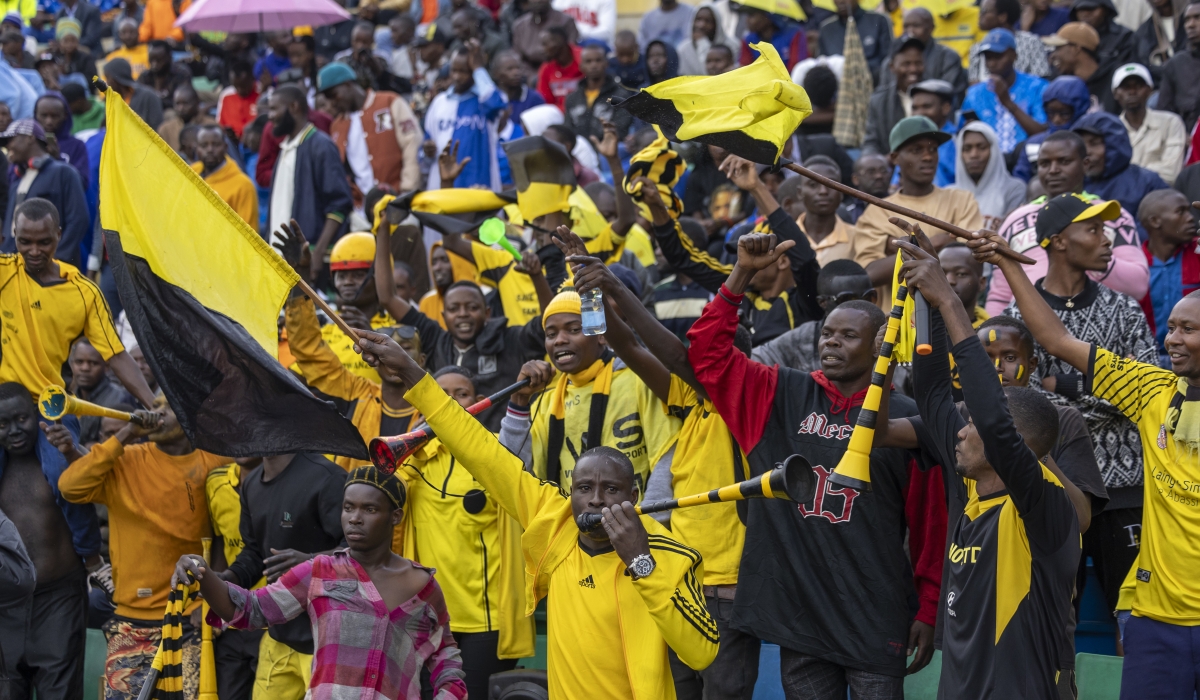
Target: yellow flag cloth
{"type": "Point", "coordinates": [751, 111]}
{"type": "Point", "coordinates": [167, 215]}
{"type": "Point", "coordinates": [907, 338]}
{"type": "Point", "coordinates": [202, 292]}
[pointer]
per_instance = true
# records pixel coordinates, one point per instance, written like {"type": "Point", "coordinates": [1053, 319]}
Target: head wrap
{"type": "Point", "coordinates": [388, 483]}
{"type": "Point", "coordinates": [67, 26]}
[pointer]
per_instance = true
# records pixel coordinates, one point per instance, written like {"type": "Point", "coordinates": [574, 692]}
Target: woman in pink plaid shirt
{"type": "Point", "coordinates": [377, 618]}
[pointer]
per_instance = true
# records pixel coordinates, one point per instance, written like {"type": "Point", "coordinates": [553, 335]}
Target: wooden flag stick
{"type": "Point", "coordinates": [902, 211]}
{"type": "Point", "coordinates": [312, 294]}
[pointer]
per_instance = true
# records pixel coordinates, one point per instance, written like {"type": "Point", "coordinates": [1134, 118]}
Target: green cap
{"type": "Point", "coordinates": [334, 74]}
{"type": "Point", "coordinates": [910, 128]}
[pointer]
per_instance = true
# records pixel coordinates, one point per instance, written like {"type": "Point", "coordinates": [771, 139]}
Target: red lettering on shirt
{"type": "Point", "coordinates": [830, 502]}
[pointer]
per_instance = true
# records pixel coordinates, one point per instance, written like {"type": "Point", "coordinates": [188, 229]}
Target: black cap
{"type": "Point", "coordinates": [1066, 209]}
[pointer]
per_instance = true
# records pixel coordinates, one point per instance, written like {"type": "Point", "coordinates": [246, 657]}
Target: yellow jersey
{"type": "Point", "coordinates": [706, 458]}
{"type": "Point", "coordinates": [636, 423]}
{"type": "Point", "coordinates": [517, 293]}
{"type": "Point", "coordinates": [1167, 579]}
{"type": "Point", "coordinates": [463, 546]}
{"type": "Point", "coordinates": [38, 323]}
{"type": "Point", "coordinates": [343, 347]}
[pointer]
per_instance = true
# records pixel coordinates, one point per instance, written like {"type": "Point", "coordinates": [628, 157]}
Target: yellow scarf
{"type": "Point", "coordinates": [601, 372]}
{"type": "Point", "coordinates": [1183, 416]}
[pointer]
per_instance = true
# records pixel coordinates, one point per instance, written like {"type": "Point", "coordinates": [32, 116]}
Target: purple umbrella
{"type": "Point", "coordinates": [259, 15]}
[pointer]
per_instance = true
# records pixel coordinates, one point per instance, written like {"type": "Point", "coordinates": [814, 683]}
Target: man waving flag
{"type": "Point", "coordinates": [203, 291]}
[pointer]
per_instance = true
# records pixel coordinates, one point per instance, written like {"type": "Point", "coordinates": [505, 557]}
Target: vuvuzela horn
{"type": "Point", "coordinates": [792, 480]}
{"type": "Point", "coordinates": [854, 469]}
{"type": "Point", "coordinates": [54, 403]}
{"type": "Point", "coordinates": [387, 453]}
{"type": "Point", "coordinates": [208, 659]}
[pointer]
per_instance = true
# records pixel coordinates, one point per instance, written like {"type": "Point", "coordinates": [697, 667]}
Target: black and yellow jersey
{"type": "Point", "coordinates": [1012, 556]}
{"type": "Point", "coordinates": [1167, 581]}
{"type": "Point", "coordinates": [518, 296]}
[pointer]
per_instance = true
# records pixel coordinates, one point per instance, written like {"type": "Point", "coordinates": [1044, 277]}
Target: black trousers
{"type": "Point", "coordinates": [236, 654]}
{"type": "Point", "coordinates": [478, 650]}
{"type": "Point", "coordinates": [1112, 541]}
{"type": "Point", "coordinates": [732, 675]}
{"type": "Point", "coordinates": [55, 640]}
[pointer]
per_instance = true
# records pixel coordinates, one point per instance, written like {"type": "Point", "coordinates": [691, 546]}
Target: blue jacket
{"type": "Point", "coordinates": [59, 183]}
{"type": "Point", "coordinates": [81, 517]}
{"type": "Point", "coordinates": [1068, 90]}
{"type": "Point", "coordinates": [1121, 180]}
{"type": "Point", "coordinates": [322, 190]}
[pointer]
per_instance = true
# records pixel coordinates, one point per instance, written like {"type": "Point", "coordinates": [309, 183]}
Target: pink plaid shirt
{"type": "Point", "coordinates": [362, 650]}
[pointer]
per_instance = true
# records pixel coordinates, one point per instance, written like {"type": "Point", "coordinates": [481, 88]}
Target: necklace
{"type": "Point", "coordinates": [1070, 301]}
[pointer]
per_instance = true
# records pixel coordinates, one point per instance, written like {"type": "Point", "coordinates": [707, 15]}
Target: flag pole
{"type": "Point", "coordinates": [902, 211]}
{"type": "Point", "coordinates": [312, 294]}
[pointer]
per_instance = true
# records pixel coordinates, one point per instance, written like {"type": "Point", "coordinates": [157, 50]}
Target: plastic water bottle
{"type": "Point", "coordinates": [592, 307]}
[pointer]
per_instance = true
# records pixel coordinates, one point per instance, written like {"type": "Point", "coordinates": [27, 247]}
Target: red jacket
{"type": "Point", "coordinates": [744, 393]}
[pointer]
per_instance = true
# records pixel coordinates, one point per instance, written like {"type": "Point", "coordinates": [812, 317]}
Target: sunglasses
{"type": "Point", "coordinates": [400, 332]}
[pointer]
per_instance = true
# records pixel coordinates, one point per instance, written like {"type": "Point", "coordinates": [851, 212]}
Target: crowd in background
{"type": "Point", "coordinates": [974, 114]}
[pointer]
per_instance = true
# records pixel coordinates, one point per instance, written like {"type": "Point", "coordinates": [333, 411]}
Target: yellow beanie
{"type": "Point", "coordinates": [566, 302]}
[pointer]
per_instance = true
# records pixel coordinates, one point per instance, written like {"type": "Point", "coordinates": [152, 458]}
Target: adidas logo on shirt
{"type": "Point", "coordinates": [587, 582]}
{"type": "Point", "coordinates": [36, 305]}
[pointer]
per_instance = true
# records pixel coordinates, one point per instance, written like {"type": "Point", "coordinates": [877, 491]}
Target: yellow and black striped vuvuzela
{"type": "Point", "coordinates": [202, 291]}
{"type": "Point", "coordinates": [854, 469]}
{"type": "Point", "coordinates": [751, 111]}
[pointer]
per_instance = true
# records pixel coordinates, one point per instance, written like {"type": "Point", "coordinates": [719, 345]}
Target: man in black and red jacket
{"type": "Point", "coordinates": [828, 580]}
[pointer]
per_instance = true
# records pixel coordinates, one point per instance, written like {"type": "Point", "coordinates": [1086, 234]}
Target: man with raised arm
{"type": "Point", "coordinates": [626, 589]}
{"type": "Point", "coordinates": [1162, 403]}
{"type": "Point", "coordinates": [826, 644]}
{"type": "Point", "coordinates": [1014, 549]}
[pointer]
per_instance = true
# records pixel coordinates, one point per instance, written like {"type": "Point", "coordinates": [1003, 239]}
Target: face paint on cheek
{"type": "Point", "coordinates": [1020, 371]}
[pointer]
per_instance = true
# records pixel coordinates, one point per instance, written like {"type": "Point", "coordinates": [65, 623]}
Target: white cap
{"type": "Point", "coordinates": [1129, 70]}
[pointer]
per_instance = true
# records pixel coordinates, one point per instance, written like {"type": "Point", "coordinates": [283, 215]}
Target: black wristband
{"type": "Point", "coordinates": [1069, 385]}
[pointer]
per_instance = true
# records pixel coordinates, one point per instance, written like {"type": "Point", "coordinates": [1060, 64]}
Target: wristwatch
{"type": "Point", "coordinates": [641, 566]}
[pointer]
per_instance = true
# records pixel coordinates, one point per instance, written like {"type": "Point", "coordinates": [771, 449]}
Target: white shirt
{"type": "Point", "coordinates": [283, 185]}
{"type": "Point", "coordinates": [357, 156]}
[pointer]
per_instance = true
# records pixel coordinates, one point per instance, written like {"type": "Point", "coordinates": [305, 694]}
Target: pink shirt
{"type": "Point", "coordinates": [362, 649]}
{"type": "Point", "coordinates": [1127, 272]}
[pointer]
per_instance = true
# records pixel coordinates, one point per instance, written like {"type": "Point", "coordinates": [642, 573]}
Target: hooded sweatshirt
{"type": "Point", "coordinates": [790, 40]}
{"type": "Point", "coordinates": [692, 52]}
{"type": "Point", "coordinates": [996, 192]}
{"type": "Point", "coordinates": [1068, 90]}
{"type": "Point", "coordinates": [1120, 180]}
{"type": "Point", "coordinates": [672, 69]}
{"type": "Point", "coordinates": [71, 150]}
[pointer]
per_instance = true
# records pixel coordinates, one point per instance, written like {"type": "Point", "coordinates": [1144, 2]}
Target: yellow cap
{"type": "Point", "coordinates": [566, 302]}
{"type": "Point", "coordinates": [354, 251]}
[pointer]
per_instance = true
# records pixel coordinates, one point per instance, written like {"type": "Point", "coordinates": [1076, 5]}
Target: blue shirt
{"type": "Point", "coordinates": [80, 517]}
{"type": "Point", "coordinates": [273, 62]}
{"type": "Point", "coordinates": [1055, 18]}
{"type": "Point", "coordinates": [1026, 92]}
{"type": "Point", "coordinates": [1166, 288]}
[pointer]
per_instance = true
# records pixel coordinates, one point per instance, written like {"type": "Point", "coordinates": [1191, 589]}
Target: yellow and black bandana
{"type": "Point", "coordinates": [387, 483]}
{"type": "Point", "coordinates": [663, 167]}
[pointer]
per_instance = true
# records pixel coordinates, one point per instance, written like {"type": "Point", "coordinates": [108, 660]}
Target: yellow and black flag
{"type": "Point", "coordinates": [751, 111]}
{"type": "Point", "coordinates": [165, 679]}
{"type": "Point", "coordinates": [203, 291]}
{"type": "Point", "coordinates": [544, 175]}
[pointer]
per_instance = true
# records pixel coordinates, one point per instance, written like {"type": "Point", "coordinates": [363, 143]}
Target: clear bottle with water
{"type": "Point", "coordinates": [592, 307]}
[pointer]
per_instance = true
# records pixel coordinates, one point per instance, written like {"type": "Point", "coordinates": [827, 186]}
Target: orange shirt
{"type": "Point", "coordinates": [158, 21]}
{"type": "Point", "coordinates": [157, 512]}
